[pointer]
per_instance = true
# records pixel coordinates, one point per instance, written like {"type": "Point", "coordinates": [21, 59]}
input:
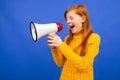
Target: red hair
{"type": "Point", "coordinates": [87, 29]}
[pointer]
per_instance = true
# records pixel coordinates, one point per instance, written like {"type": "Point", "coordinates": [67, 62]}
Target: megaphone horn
{"type": "Point", "coordinates": [39, 30]}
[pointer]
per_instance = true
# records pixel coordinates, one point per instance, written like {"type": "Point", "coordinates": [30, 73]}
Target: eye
{"type": "Point", "coordinates": [71, 18]}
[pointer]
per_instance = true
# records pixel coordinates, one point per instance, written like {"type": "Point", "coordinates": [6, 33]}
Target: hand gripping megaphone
{"type": "Point", "coordinates": [39, 30]}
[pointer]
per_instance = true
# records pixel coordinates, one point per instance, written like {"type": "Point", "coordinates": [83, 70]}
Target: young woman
{"type": "Point", "coordinates": [79, 49]}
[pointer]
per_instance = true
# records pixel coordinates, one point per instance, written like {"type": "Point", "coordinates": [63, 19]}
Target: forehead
{"type": "Point", "coordinates": [71, 13]}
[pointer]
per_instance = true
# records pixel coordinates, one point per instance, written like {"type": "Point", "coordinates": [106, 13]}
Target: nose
{"type": "Point", "coordinates": [68, 21]}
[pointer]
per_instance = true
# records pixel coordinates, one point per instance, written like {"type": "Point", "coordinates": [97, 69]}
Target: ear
{"type": "Point", "coordinates": [83, 19]}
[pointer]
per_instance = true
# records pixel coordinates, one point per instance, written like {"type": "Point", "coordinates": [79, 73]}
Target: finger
{"type": "Point", "coordinates": [51, 44]}
{"type": "Point", "coordinates": [50, 37]}
{"type": "Point", "coordinates": [50, 41]}
{"type": "Point", "coordinates": [51, 34]}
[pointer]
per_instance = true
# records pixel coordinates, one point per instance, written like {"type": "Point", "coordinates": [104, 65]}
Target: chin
{"type": "Point", "coordinates": [73, 32]}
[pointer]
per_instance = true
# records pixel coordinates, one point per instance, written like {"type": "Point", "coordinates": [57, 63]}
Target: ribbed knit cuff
{"type": "Point", "coordinates": [62, 45]}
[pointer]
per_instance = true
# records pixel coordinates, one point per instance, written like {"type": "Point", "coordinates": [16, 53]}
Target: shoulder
{"type": "Point", "coordinates": [94, 37]}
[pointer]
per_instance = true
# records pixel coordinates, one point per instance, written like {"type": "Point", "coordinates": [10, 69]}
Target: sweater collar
{"type": "Point", "coordinates": [78, 33]}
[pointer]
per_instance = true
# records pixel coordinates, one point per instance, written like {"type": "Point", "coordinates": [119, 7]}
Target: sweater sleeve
{"type": "Point", "coordinates": [82, 62]}
{"type": "Point", "coordinates": [58, 57]}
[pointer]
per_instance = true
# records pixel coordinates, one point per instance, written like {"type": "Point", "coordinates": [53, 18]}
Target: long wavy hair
{"type": "Point", "coordinates": [86, 27]}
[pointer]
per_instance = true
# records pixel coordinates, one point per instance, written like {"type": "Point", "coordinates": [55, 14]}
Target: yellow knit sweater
{"type": "Point", "coordinates": [76, 67]}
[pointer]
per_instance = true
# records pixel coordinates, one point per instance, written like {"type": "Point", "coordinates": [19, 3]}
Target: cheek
{"type": "Point", "coordinates": [80, 20]}
{"type": "Point", "coordinates": [78, 24]}
{"type": "Point", "coordinates": [77, 28]}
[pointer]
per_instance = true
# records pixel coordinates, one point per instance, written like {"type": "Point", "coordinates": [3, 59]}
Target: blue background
{"type": "Point", "coordinates": [23, 59]}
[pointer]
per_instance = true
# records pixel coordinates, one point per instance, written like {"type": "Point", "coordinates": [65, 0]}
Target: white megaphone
{"type": "Point", "coordinates": [39, 30]}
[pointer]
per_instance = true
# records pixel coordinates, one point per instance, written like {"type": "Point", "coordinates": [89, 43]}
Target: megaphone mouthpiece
{"type": "Point", "coordinates": [59, 26]}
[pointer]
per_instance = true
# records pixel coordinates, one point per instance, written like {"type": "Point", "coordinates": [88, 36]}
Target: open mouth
{"type": "Point", "coordinates": [72, 26]}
